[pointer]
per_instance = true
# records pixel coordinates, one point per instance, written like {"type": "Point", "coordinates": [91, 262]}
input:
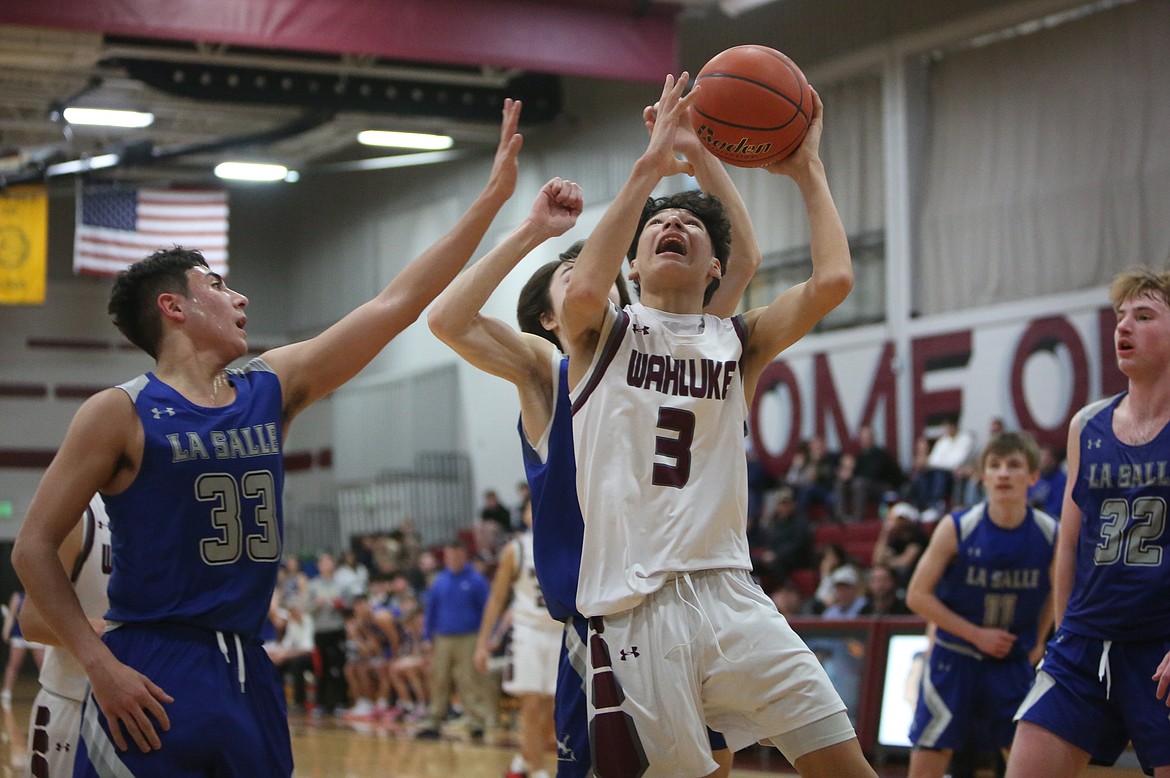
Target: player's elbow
{"type": "Point", "coordinates": [834, 286]}
{"type": "Point", "coordinates": [440, 323]}
{"type": "Point", "coordinates": [914, 600]}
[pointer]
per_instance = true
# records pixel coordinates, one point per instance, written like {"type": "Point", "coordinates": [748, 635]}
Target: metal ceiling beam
{"type": "Point", "coordinates": [597, 38]}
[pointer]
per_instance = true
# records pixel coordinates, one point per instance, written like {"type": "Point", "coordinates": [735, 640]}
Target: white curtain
{"type": "Point", "coordinates": [1048, 167]}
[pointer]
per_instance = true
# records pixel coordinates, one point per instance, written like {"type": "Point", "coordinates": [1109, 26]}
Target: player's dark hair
{"type": "Point", "coordinates": [1009, 443]}
{"type": "Point", "coordinates": [535, 300]}
{"type": "Point", "coordinates": [709, 209]}
{"type": "Point", "coordinates": [132, 300]}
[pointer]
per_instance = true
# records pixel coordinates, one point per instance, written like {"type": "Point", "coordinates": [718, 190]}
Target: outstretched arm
{"type": "Point", "coordinates": [745, 257]}
{"type": "Point", "coordinates": [791, 315]}
{"type": "Point", "coordinates": [313, 368]}
{"type": "Point", "coordinates": [600, 261]}
{"type": "Point", "coordinates": [487, 342]}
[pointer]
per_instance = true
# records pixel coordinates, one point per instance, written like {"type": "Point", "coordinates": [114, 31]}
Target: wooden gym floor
{"type": "Point", "coordinates": [332, 748]}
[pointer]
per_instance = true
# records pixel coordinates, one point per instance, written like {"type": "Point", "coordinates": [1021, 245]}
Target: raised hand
{"type": "Point", "coordinates": [809, 150]}
{"type": "Point", "coordinates": [504, 166]}
{"type": "Point", "coordinates": [686, 142]}
{"type": "Point", "coordinates": [557, 207]}
{"type": "Point", "coordinates": [673, 108]}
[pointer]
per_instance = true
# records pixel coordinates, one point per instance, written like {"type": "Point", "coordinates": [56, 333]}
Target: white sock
{"type": "Point", "coordinates": [539, 774]}
{"type": "Point", "coordinates": [519, 765]}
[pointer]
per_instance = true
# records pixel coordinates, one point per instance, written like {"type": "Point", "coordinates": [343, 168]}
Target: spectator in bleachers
{"type": "Point", "coordinates": [916, 489]}
{"type": "Point", "coordinates": [950, 452]}
{"type": "Point", "coordinates": [410, 668]}
{"type": "Point", "coordinates": [848, 599]}
{"type": "Point", "coordinates": [782, 541]}
{"type": "Point", "coordinates": [369, 647]}
{"type": "Point", "coordinates": [901, 541]}
{"type": "Point", "coordinates": [832, 558]}
{"type": "Point", "coordinates": [327, 609]}
{"type": "Point", "coordinates": [292, 653]}
{"type": "Point", "coordinates": [351, 575]}
{"type": "Point", "coordinates": [1047, 493]}
{"type": "Point", "coordinates": [495, 511]}
{"type": "Point", "coordinates": [872, 473]}
{"type": "Point", "coordinates": [789, 599]}
{"type": "Point", "coordinates": [884, 599]}
{"type": "Point", "coordinates": [453, 611]}
{"type": "Point", "coordinates": [291, 581]}
{"type": "Point", "coordinates": [816, 477]}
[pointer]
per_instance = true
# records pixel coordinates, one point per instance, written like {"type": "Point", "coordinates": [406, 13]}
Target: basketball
{"type": "Point", "coordinates": [754, 106]}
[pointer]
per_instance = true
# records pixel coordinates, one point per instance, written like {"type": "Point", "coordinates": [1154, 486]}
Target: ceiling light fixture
{"type": "Point", "coordinates": [104, 117]}
{"type": "Point", "coordinates": [405, 140]}
{"type": "Point", "coordinates": [252, 171]}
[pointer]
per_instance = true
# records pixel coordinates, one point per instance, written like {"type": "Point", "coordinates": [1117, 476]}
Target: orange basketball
{"type": "Point", "coordinates": [754, 106]}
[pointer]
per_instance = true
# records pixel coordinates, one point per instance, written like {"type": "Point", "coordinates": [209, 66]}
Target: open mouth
{"type": "Point", "coordinates": [673, 244]}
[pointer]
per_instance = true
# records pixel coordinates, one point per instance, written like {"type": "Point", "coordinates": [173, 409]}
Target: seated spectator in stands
{"type": "Point", "coordinates": [865, 476]}
{"type": "Point", "coordinates": [495, 511]}
{"type": "Point", "coordinates": [901, 541]}
{"type": "Point", "coordinates": [950, 452]}
{"type": "Point", "coordinates": [369, 648]}
{"type": "Point", "coordinates": [410, 668]}
{"type": "Point", "coordinates": [884, 599]}
{"type": "Point", "coordinates": [832, 558]}
{"type": "Point", "coordinates": [291, 581]}
{"type": "Point", "coordinates": [816, 479]}
{"type": "Point", "coordinates": [788, 599]}
{"type": "Point", "coordinates": [292, 654]}
{"type": "Point", "coordinates": [848, 599]}
{"type": "Point", "coordinates": [783, 539]}
{"type": "Point", "coordinates": [351, 575]}
{"type": "Point", "coordinates": [1047, 493]}
{"type": "Point", "coordinates": [916, 489]}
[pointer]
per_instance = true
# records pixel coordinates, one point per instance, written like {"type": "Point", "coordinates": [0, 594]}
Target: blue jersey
{"type": "Point", "coordinates": [999, 577]}
{"type": "Point", "coordinates": [557, 527]}
{"type": "Point", "coordinates": [1120, 589]}
{"type": "Point", "coordinates": [197, 535]}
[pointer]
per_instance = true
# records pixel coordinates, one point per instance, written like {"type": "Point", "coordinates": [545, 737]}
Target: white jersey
{"type": "Point", "coordinates": [61, 674]}
{"type": "Point", "coordinates": [528, 608]}
{"type": "Point", "coordinates": [658, 426]}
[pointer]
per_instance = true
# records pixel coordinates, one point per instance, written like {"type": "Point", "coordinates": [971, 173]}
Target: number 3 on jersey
{"type": "Point", "coordinates": [676, 447]}
{"type": "Point", "coordinates": [222, 489]}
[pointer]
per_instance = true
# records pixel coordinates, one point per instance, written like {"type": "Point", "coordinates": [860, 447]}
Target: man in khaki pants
{"type": "Point", "coordinates": [454, 608]}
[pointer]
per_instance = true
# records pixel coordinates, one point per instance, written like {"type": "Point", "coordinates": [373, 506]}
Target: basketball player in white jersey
{"type": "Point", "coordinates": [679, 632]}
{"type": "Point", "coordinates": [533, 654]}
{"type": "Point", "coordinates": [56, 718]}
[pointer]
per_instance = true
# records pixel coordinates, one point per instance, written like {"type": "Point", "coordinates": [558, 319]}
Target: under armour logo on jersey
{"type": "Point", "coordinates": [63, 747]}
{"type": "Point", "coordinates": [633, 652]}
{"type": "Point", "coordinates": [1094, 443]}
{"type": "Point", "coordinates": [643, 330]}
{"type": "Point", "coordinates": [158, 412]}
{"type": "Point", "coordinates": [564, 752]}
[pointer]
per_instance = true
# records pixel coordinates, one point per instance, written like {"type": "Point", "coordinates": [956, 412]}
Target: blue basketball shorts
{"type": "Point", "coordinates": [1098, 696]}
{"type": "Point", "coordinates": [963, 694]}
{"type": "Point", "coordinates": [226, 720]}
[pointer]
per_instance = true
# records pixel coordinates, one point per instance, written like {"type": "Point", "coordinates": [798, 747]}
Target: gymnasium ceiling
{"type": "Point", "coordinates": [292, 81]}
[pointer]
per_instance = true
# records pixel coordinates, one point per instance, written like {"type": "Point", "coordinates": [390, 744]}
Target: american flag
{"type": "Point", "coordinates": [118, 225]}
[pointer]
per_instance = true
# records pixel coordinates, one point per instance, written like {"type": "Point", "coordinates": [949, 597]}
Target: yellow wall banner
{"type": "Point", "coordinates": [24, 227]}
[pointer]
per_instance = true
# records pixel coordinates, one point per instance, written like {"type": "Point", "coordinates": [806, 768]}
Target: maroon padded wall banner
{"type": "Point", "coordinates": [619, 39]}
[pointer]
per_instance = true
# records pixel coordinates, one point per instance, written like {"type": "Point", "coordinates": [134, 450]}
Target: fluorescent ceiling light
{"type": "Point", "coordinates": [251, 171]}
{"type": "Point", "coordinates": [83, 165]}
{"type": "Point", "coordinates": [108, 118]}
{"type": "Point", "coordinates": [405, 140]}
